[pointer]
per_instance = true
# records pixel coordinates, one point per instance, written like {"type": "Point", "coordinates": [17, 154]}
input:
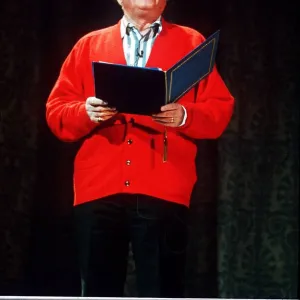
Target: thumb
{"type": "Point", "coordinates": [170, 106]}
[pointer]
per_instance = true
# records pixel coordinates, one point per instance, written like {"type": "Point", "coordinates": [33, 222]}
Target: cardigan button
{"type": "Point", "coordinates": [128, 162]}
{"type": "Point", "coordinates": [130, 141]}
{"type": "Point", "coordinates": [127, 183]}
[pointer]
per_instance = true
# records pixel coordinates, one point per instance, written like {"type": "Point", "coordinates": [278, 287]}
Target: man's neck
{"type": "Point", "coordinates": [141, 24]}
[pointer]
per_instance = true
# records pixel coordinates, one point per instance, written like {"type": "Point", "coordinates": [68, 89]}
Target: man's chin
{"type": "Point", "coordinates": [144, 11]}
{"type": "Point", "coordinates": [146, 8]}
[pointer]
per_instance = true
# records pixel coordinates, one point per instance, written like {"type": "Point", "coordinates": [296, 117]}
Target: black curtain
{"type": "Point", "coordinates": [244, 212]}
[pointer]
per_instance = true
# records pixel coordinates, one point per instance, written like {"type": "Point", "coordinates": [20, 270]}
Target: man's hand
{"type": "Point", "coordinates": [98, 110]}
{"type": "Point", "coordinates": [171, 115]}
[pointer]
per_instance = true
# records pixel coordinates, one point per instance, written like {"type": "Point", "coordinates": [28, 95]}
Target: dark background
{"type": "Point", "coordinates": [244, 213]}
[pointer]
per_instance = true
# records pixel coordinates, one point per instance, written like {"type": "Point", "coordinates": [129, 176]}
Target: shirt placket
{"type": "Point", "coordinates": [139, 42]}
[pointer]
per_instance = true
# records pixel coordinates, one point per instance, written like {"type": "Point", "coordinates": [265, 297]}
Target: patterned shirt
{"type": "Point", "coordinates": [138, 45]}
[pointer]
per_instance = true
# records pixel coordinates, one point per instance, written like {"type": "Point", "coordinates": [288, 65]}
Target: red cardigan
{"type": "Point", "coordinates": [124, 154]}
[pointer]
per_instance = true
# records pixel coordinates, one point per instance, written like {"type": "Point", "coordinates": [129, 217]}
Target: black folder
{"type": "Point", "coordinates": [137, 90]}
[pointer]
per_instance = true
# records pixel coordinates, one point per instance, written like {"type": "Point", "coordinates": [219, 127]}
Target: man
{"type": "Point", "coordinates": [124, 190]}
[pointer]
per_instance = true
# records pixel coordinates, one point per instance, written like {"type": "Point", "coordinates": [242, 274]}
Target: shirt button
{"type": "Point", "coordinates": [127, 183]}
{"type": "Point", "coordinates": [128, 162]}
{"type": "Point", "coordinates": [129, 142]}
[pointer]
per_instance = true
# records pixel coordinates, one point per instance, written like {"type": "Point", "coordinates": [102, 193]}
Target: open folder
{"type": "Point", "coordinates": [137, 90]}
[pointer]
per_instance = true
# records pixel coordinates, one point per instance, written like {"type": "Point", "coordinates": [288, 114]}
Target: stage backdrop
{"type": "Point", "coordinates": [244, 212]}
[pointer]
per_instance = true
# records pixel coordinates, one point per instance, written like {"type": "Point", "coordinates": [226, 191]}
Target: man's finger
{"type": "Point", "coordinates": [93, 101]}
{"type": "Point", "coordinates": [165, 114]}
{"type": "Point", "coordinates": [99, 108]}
{"type": "Point", "coordinates": [159, 115]}
{"type": "Point", "coordinates": [163, 118]}
{"type": "Point", "coordinates": [105, 114]}
{"type": "Point", "coordinates": [100, 117]}
{"type": "Point", "coordinates": [165, 123]}
{"type": "Point", "coordinates": [170, 106]}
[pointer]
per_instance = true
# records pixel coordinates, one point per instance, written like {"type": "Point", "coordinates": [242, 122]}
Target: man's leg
{"type": "Point", "coordinates": [103, 246]}
{"type": "Point", "coordinates": [159, 241]}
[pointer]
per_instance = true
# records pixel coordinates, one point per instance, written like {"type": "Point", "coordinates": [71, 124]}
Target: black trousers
{"type": "Point", "coordinates": [157, 230]}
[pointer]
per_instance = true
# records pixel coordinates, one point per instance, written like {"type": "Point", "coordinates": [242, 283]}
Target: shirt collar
{"type": "Point", "coordinates": [125, 23]}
